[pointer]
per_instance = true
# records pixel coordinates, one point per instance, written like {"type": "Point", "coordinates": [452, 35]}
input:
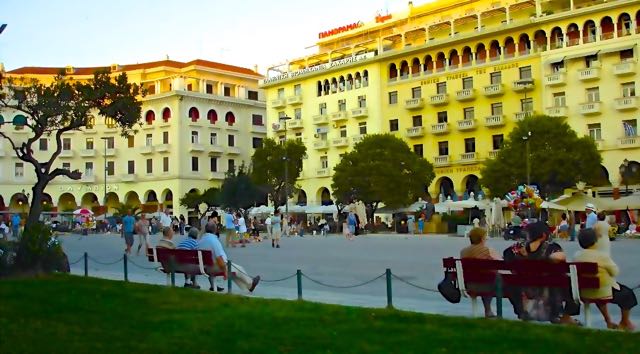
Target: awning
{"type": "Point", "coordinates": [617, 49]}
{"type": "Point", "coordinates": [581, 55]}
{"type": "Point", "coordinates": [554, 60]}
{"type": "Point", "coordinates": [1, 119]}
{"type": "Point", "coordinates": [19, 120]}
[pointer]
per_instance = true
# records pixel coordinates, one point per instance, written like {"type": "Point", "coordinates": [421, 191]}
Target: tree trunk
{"type": "Point", "coordinates": [35, 209]}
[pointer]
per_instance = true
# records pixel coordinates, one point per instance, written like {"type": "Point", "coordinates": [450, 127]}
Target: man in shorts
{"type": "Point", "coordinates": [142, 229]}
{"type": "Point", "coordinates": [128, 223]}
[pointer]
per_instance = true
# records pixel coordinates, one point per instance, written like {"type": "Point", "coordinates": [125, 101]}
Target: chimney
{"type": "Point", "coordinates": [410, 4]}
{"type": "Point", "coordinates": [255, 68]}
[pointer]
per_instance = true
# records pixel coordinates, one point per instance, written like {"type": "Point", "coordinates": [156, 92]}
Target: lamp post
{"type": "Point", "coordinates": [105, 139]}
{"type": "Point", "coordinates": [286, 167]}
{"type": "Point", "coordinates": [627, 170]}
{"type": "Point", "coordinates": [526, 139]}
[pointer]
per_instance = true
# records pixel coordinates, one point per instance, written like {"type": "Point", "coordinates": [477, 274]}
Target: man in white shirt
{"type": "Point", "coordinates": [267, 222]}
{"type": "Point", "coordinates": [210, 242]}
{"type": "Point", "coordinates": [165, 219]}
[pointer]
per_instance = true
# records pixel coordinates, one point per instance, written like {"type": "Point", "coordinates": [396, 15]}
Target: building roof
{"type": "Point", "coordinates": [34, 70]}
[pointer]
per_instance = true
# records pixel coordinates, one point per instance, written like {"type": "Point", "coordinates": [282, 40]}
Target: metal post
{"type": "Point", "coordinates": [528, 166]}
{"type": "Point", "coordinates": [286, 174]}
{"type": "Point", "coordinates": [299, 279]}
{"type": "Point", "coordinates": [172, 267]}
{"type": "Point", "coordinates": [499, 295]}
{"type": "Point", "coordinates": [229, 277]}
{"type": "Point", "coordinates": [389, 291]}
{"type": "Point", "coordinates": [105, 176]}
{"type": "Point", "coordinates": [126, 272]}
{"type": "Point", "coordinates": [86, 264]}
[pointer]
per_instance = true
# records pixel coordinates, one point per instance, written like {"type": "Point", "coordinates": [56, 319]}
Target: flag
{"type": "Point", "coordinates": [629, 130]}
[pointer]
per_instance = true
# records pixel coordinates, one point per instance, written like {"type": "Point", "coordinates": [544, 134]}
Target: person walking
{"type": "Point", "coordinates": [351, 225]}
{"type": "Point", "coordinates": [276, 230]}
{"type": "Point", "coordinates": [242, 229]}
{"type": "Point", "coordinates": [181, 224]}
{"type": "Point", "coordinates": [15, 225]}
{"type": "Point", "coordinates": [267, 222]}
{"type": "Point", "coordinates": [229, 228]}
{"type": "Point", "coordinates": [128, 224]}
{"type": "Point", "coordinates": [142, 229]}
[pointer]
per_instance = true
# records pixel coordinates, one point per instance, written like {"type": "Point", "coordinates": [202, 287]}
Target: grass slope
{"type": "Point", "coordinates": [73, 314]}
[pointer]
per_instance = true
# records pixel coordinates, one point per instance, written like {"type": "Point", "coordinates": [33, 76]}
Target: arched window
{"type": "Point", "coordinates": [573, 35]}
{"type": "Point", "coordinates": [404, 69]}
{"type": "Point", "coordinates": [327, 87]}
{"type": "Point", "coordinates": [319, 88]}
{"type": "Point", "coordinates": [427, 67]}
{"type": "Point", "coordinates": [212, 116]}
{"type": "Point", "coordinates": [607, 27]}
{"type": "Point", "coordinates": [341, 84]}
{"type": "Point", "coordinates": [415, 67]}
{"type": "Point", "coordinates": [624, 25]}
{"type": "Point", "coordinates": [358, 80]}
{"type": "Point", "coordinates": [365, 78]}
{"type": "Point", "coordinates": [524, 45]}
{"type": "Point", "coordinates": [441, 61]}
{"type": "Point", "coordinates": [454, 59]}
{"type": "Point", "coordinates": [349, 82]}
{"type": "Point", "coordinates": [166, 114]}
{"type": "Point", "coordinates": [589, 31]}
{"type": "Point", "coordinates": [230, 118]}
{"type": "Point", "coordinates": [494, 51]}
{"type": "Point", "coordinates": [509, 47]}
{"type": "Point", "coordinates": [194, 114]}
{"type": "Point", "coordinates": [540, 40]}
{"type": "Point", "coordinates": [149, 117]}
{"type": "Point", "coordinates": [467, 56]}
{"type": "Point", "coordinates": [481, 53]}
{"type": "Point", "coordinates": [557, 38]}
{"type": "Point", "coordinates": [393, 71]}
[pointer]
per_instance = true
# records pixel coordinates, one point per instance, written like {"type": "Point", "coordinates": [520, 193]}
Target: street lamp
{"type": "Point", "coordinates": [286, 167]}
{"type": "Point", "coordinates": [105, 139]}
{"type": "Point", "coordinates": [627, 170]}
{"type": "Point", "coordinates": [526, 139]}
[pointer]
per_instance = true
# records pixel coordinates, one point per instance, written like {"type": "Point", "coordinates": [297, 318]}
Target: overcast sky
{"type": "Point", "coordinates": [239, 32]}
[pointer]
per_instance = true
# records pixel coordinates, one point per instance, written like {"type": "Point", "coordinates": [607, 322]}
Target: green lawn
{"type": "Point", "coordinates": [73, 314]}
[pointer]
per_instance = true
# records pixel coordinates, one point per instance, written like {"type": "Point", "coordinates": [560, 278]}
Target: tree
{"type": "Point", "coordinates": [558, 158]}
{"type": "Point", "coordinates": [268, 164]}
{"type": "Point", "coordinates": [209, 198]}
{"type": "Point", "coordinates": [123, 209]}
{"type": "Point", "coordinates": [64, 105]}
{"type": "Point", "coordinates": [381, 169]}
{"type": "Point", "coordinates": [238, 190]}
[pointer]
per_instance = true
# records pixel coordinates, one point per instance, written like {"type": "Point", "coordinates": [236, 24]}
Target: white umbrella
{"type": "Point", "coordinates": [447, 206]}
{"type": "Point", "coordinates": [321, 209]}
{"type": "Point", "coordinates": [552, 205]}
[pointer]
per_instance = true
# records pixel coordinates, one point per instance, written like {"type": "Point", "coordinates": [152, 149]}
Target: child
{"type": "Point", "coordinates": [609, 288]}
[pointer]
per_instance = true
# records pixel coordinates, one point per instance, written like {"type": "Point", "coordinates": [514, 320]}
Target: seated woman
{"type": "Point", "coordinates": [609, 288]}
{"type": "Point", "coordinates": [479, 250]}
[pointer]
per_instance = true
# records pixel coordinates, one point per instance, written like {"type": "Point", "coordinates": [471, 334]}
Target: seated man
{"type": "Point", "coordinates": [479, 250]}
{"type": "Point", "coordinates": [609, 289]}
{"type": "Point", "coordinates": [210, 242]}
{"type": "Point", "coordinates": [166, 240]}
{"type": "Point", "coordinates": [190, 243]}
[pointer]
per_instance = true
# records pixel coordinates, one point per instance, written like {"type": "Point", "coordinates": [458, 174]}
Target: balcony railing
{"type": "Point", "coordinates": [629, 142]}
{"type": "Point", "coordinates": [466, 124]}
{"type": "Point", "coordinates": [213, 176]}
{"type": "Point", "coordinates": [415, 132]}
{"type": "Point", "coordinates": [493, 90]}
{"type": "Point", "coordinates": [589, 108]}
{"type": "Point", "coordinates": [338, 116]}
{"type": "Point", "coordinates": [279, 103]}
{"type": "Point", "coordinates": [522, 85]}
{"type": "Point", "coordinates": [294, 124]}
{"type": "Point", "coordinates": [357, 138]}
{"type": "Point", "coordinates": [360, 112]}
{"type": "Point", "coordinates": [496, 120]}
{"type": "Point", "coordinates": [322, 172]}
{"type": "Point", "coordinates": [468, 157]}
{"type": "Point", "coordinates": [589, 74]}
{"type": "Point", "coordinates": [147, 149]}
{"type": "Point", "coordinates": [320, 119]}
{"type": "Point", "coordinates": [215, 149]}
{"type": "Point", "coordinates": [414, 103]}
{"type": "Point", "coordinates": [626, 103]}
{"type": "Point", "coordinates": [493, 154]}
{"type": "Point", "coordinates": [439, 99]}
{"type": "Point", "coordinates": [340, 142]}
{"type": "Point", "coordinates": [523, 115]}
{"type": "Point", "coordinates": [625, 68]}
{"type": "Point", "coordinates": [66, 153]}
{"type": "Point", "coordinates": [465, 95]}
{"type": "Point", "coordinates": [88, 152]}
{"type": "Point", "coordinates": [110, 152]}
{"type": "Point", "coordinates": [441, 160]}
{"type": "Point", "coordinates": [557, 111]}
{"type": "Point", "coordinates": [129, 177]}
{"type": "Point", "coordinates": [163, 148]}
{"type": "Point", "coordinates": [194, 147]}
{"type": "Point", "coordinates": [555, 79]}
{"type": "Point", "coordinates": [440, 128]}
{"type": "Point", "coordinates": [294, 100]}
{"type": "Point", "coordinates": [321, 144]}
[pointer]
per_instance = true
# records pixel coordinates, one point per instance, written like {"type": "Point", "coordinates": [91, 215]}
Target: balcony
{"type": "Point", "coordinates": [589, 108]}
{"type": "Point", "coordinates": [560, 111]}
{"type": "Point", "coordinates": [414, 103]}
{"type": "Point", "coordinates": [440, 161]}
{"type": "Point", "coordinates": [321, 144]}
{"type": "Point", "coordinates": [294, 100]}
{"type": "Point", "coordinates": [440, 99]}
{"type": "Point", "coordinates": [415, 132]}
{"type": "Point", "coordinates": [129, 177]}
{"type": "Point", "coordinates": [589, 74]}
{"type": "Point", "coordinates": [493, 154]}
{"type": "Point", "coordinates": [294, 124]}
{"type": "Point", "coordinates": [216, 149]}
{"type": "Point", "coordinates": [88, 131]}
{"type": "Point", "coordinates": [629, 142]}
{"type": "Point", "coordinates": [260, 129]}
{"type": "Point", "coordinates": [88, 178]}
{"type": "Point", "coordinates": [279, 103]}
{"type": "Point", "coordinates": [340, 142]}
{"type": "Point", "coordinates": [357, 138]}
{"type": "Point", "coordinates": [322, 172]}
{"type": "Point", "coordinates": [194, 147]}
{"type": "Point", "coordinates": [214, 176]}
{"type": "Point", "coordinates": [496, 120]}
{"type": "Point", "coordinates": [522, 115]}
{"type": "Point", "coordinates": [556, 79]}
{"type": "Point", "coordinates": [320, 119]}
{"type": "Point", "coordinates": [469, 157]}
{"type": "Point", "coordinates": [338, 116]}
{"type": "Point", "coordinates": [146, 126]}
{"type": "Point", "coordinates": [493, 90]}
{"type": "Point", "coordinates": [467, 124]}
{"type": "Point", "coordinates": [88, 152]}
{"type": "Point", "coordinates": [233, 150]}
{"type": "Point", "coordinates": [626, 103]}
{"type": "Point", "coordinates": [625, 68]}
{"type": "Point", "coordinates": [65, 154]}
{"type": "Point", "coordinates": [163, 148]}
{"type": "Point", "coordinates": [440, 128]}
{"type": "Point", "coordinates": [599, 144]}
{"type": "Point", "coordinates": [146, 150]}
{"type": "Point", "coordinates": [359, 112]}
{"type": "Point", "coordinates": [110, 152]}
{"type": "Point", "coordinates": [466, 95]}
{"type": "Point", "coordinates": [522, 85]}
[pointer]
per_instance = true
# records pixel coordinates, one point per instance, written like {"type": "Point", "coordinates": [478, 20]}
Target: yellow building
{"type": "Point", "coordinates": [199, 119]}
{"type": "Point", "coordinates": [452, 78]}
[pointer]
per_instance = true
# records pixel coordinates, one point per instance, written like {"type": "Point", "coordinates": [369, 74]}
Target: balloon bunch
{"type": "Point", "coordinates": [524, 197]}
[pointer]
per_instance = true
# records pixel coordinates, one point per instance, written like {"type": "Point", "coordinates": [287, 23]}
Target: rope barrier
{"type": "Point", "coordinates": [139, 266]}
{"type": "Point", "coordinates": [412, 284]}
{"type": "Point", "coordinates": [78, 261]}
{"type": "Point", "coordinates": [278, 280]}
{"type": "Point", "coordinates": [343, 286]}
{"type": "Point", "coordinates": [106, 263]}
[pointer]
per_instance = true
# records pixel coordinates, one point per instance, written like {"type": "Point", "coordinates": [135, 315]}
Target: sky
{"type": "Point", "coordinates": [238, 32]}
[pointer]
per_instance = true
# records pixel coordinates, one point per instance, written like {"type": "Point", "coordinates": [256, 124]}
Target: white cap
{"type": "Point", "coordinates": [591, 207]}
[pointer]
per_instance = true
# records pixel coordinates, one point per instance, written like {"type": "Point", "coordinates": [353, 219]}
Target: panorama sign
{"type": "Point", "coordinates": [321, 67]}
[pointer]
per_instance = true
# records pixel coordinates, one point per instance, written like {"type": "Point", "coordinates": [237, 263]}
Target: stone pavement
{"type": "Point", "coordinates": [335, 261]}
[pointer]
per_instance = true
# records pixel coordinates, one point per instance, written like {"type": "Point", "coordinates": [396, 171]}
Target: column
{"type": "Point", "coordinates": [502, 49]}
{"type": "Point", "coordinates": [473, 58]}
{"type": "Point", "coordinates": [479, 22]}
{"type": "Point", "coordinates": [517, 50]}
{"type": "Point", "coordinates": [426, 33]}
{"type": "Point", "coordinates": [453, 30]}
{"type": "Point", "coordinates": [571, 5]}
{"type": "Point", "coordinates": [599, 33]}
{"type": "Point", "coordinates": [615, 29]}
{"type": "Point", "coordinates": [538, 8]}
{"type": "Point", "coordinates": [508, 14]}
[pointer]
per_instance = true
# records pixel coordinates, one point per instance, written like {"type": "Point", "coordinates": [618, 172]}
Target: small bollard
{"type": "Point", "coordinates": [126, 272]}
{"type": "Point", "coordinates": [499, 295]}
{"type": "Point", "coordinates": [172, 266]}
{"type": "Point", "coordinates": [229, 277]}
{"type": "Point", "coordinates": [86, 264]}
{"type": "Point", "coordinates": [299, 279]}
{"type": "Point", "coordinates": [389, 291]}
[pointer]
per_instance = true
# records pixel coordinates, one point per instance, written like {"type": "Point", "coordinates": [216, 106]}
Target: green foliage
{"type": "Point", "coordinates": [267, 167]}
{"type": "Point", "coordinates": [239, 191]}
{"type": "Point", "coordinates": [209, 198]}
{"type": "Point", "coordinates": [558, 158]}
{"type": "Point", "coordinates": [381, 169]}
{"type": "Point", "coordinates": [124, 209]}
{"type": "Point", "coordinates": [39, 251]}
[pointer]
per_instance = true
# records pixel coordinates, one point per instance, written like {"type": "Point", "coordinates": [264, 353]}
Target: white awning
{"type": "Point", "coordinates": [617, 49]}
{"type": "Point", "coordinates": [581, 55]}
{"type": "Point", "coordinates": [554, 60]}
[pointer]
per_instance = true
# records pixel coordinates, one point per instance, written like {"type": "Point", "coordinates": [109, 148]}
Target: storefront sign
{"type": "Point", "coordinates": [449, 170]}
{"type": "Point", "coordinates": [320, 67]}
{"type": "Point", "coordinates": [383, 18]}
{"type": "Point", "coordinates": [340, 29]}
{"type": "Point", "coordinates": [88, 188]}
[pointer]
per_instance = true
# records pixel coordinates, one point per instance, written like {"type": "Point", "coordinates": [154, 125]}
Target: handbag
{"type": "Point", "coordinates": [448, 289]}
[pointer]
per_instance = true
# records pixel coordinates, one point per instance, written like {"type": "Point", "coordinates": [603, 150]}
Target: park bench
{"type": "Point", "coordinates": [189, 262]}
{"type": "Point", "coordinates": [491, 277]}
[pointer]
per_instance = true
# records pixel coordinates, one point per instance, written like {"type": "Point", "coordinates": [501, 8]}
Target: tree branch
{"type": "Point", "coordinates": [75, 174]}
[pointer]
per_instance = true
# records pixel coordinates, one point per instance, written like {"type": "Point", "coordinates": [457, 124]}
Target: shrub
{"type": "Point", "coordinates": [38, 251]}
